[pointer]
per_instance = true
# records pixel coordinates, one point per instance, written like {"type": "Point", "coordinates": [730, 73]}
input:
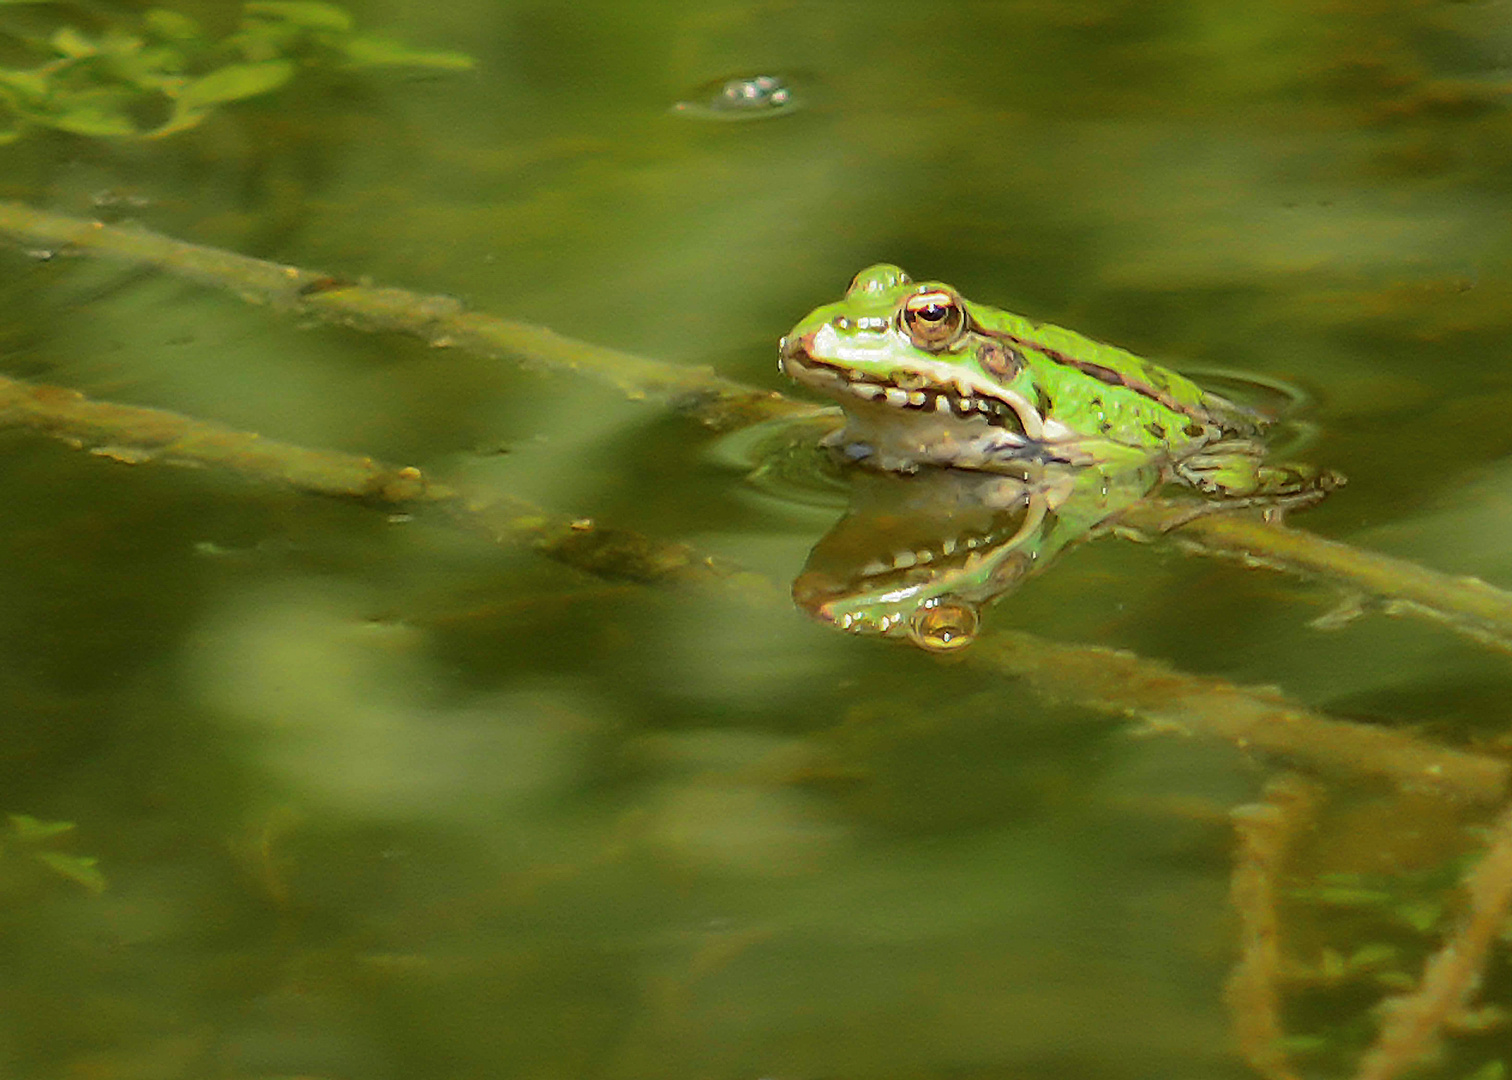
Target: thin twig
{"type": "Point", "coordinates": [135, 435]}
{"type": "Point", "coordinates": [1258, 719]}
{"type": "Point", "coordinates": [1266, 831]}
{"type": "Point", "coordinates": [1466, 604]}
{"type": "Point", "coordinates": [1414, 1021]}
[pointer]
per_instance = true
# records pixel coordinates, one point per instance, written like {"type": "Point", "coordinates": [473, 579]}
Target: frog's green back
{"type": "Point", "coordinates": [1113, 366]}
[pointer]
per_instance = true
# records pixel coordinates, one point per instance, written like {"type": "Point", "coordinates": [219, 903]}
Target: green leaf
{"type": "Point", "coordinates": [379, 52]}
{"type": "Point", "coordinates": [1421, 915]}
{"type": "Point", "coordinates": [234, 82]}
{"type": "Point", "coordinates": [1372, 956]}
{"type": "Point", "coordinates": [68, 41]}
{"type": "Point", "coordinates": [88, 115]}
{"type": "Point", "coordinates": [1302, 1044]}
{"type": "Point", "coordinates": [181, 120]}
{"type": "Point", "coordinates": [1344, 896]}
{"type": "Point", "coordinates": [1491, 1070]}
{"type": "Point", "coordinates": [171, 25]}
{"type": "Point", "coordinates": [78, 868]}
{"type": "Point", "coordinates": [307, 13]}
{"type": "Point", "coordinates": [28, 84]}
{"type": "Point", "coordinates": [31, 830]}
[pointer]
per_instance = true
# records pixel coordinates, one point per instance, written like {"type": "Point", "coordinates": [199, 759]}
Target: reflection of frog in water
{"type": "Point", "coordinates": [916, 557]}
{"type": "Point", "coordinates": [929, 378]}
{"type": "Point", "coordinates": [1060, 433]}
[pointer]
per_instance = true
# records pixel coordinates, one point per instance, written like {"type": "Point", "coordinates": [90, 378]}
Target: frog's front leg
{"type": "Point", "coordinates": [1237, 469]}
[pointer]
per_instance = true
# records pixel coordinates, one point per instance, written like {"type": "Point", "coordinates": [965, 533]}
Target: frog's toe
{"type": "Point", "coordinates": [1245, 478]}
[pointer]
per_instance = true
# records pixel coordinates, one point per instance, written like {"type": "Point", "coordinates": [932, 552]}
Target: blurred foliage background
{"type": "Point", "coordinates": [372, 798]}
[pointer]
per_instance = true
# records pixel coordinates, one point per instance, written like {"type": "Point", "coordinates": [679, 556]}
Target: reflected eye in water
{"type": "Point", "coordinates": [742, 97]}
{"type": "Point", "coordinates": [943, 626]}
{"type": "Point", "coordinates": [933, 319]}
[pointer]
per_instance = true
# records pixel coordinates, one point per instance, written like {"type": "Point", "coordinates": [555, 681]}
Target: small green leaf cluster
{"type": "Point", "coordinates": [32, 835]}
{"type": "Point", "coordinates": [1394, 923]}
{"type": "Point", "coordinates": [162, 74]}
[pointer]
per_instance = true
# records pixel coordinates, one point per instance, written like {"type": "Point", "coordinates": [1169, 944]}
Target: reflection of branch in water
{"type": "Point", "coordinates": [1103, 679]}
{"type": "Point", "coordinates": [1469, 606]}
{"type": "Point", "coordinates": [1113, 681]}
{"type": "Point", "coordinates": [1265, 830]}
{"type": "Point", "coordinates": [1413, 1021]}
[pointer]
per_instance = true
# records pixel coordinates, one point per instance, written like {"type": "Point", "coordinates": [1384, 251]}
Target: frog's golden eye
{"type": "Point", "coordinates": [943, 626]}
{"type": "Point", "coordinates": [933, 319]}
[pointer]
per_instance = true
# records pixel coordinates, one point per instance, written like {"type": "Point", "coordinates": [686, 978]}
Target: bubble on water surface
{"type": "Point", "coordinates": [740, 97]}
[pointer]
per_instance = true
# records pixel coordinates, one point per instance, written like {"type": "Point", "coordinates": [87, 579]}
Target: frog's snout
{"type": "Point", "coordinates": [792, 347]}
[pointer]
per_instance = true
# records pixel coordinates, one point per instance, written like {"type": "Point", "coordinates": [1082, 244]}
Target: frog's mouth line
{"type": "Point", "coordinates": [914, 575]}
{"type": "Point", "coordinates": [926, 394]}
{"type": "Point", "coordinates": [957, 555]}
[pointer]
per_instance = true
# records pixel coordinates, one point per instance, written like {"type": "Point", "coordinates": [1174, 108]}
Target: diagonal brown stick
{"type": "Point", "coordinates": [1266, 831]}
{"type": "Point", "coordinates": [134, 435]}
{"type": "Point", "coordinates": [1167, 700]}
{"type": "Point", "coordinates": [442, 321]}
{"type": "Point", "coordinates": [1414, 1021]}
{"type": "Point", "coordinates": [1466, 604]}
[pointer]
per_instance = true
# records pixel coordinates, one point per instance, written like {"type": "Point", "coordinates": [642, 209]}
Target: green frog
{"type": "Point", "coordinates": [927, 377]}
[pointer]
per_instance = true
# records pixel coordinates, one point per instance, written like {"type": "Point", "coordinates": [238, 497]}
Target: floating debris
{"type": "Point", "coordinates": [744, 97]}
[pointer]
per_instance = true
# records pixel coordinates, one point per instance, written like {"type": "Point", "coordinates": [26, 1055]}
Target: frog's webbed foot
{"type": "Point", "coordinates": [1237, 471]}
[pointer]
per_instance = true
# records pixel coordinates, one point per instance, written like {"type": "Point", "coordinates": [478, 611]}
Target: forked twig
{"type": "Point", "coordinates": [1413, 1022]}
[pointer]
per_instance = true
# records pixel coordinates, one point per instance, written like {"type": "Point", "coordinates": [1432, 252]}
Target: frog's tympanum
{"type": "Point", "coordinates": [927, 377]}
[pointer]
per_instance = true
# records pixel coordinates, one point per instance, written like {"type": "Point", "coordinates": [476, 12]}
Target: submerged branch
{"type": "Point", "coordinates": [1259, 719]}
{"type": "Point", "coordinates": [441, 321]}
{"type": "Point", "coordinates": [1469, 606]}
{"type": "Point", "coordinates": [1266, 831]}
{"type": "Point", "coordinates": [1466, 604]}
{"type": "Point", "coordinates": [1102, 679]}
{"type": "Point", "coordinates": [1413, 1022]}
{"type": "Point", "coordinates": [134, 435]}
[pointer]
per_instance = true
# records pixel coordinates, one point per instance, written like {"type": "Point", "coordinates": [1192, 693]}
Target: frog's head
{"type": "Point", "coordinates": [895, 346]}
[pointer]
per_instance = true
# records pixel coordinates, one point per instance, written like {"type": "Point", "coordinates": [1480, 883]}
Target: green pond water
{"type": "Point", "coordinates": [372, 797]}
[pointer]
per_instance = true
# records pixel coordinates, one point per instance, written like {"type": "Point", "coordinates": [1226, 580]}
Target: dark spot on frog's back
{"type": "Point", "coordinates": [1156, 429]}
{"type": "Point", "coordinates": [1102, 374]}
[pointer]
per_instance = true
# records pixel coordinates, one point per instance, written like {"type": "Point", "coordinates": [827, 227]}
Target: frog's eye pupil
{"type": "Point", "coordinates": [933, 319]}
{"type": "Point", "coordinates": [944, 626]}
